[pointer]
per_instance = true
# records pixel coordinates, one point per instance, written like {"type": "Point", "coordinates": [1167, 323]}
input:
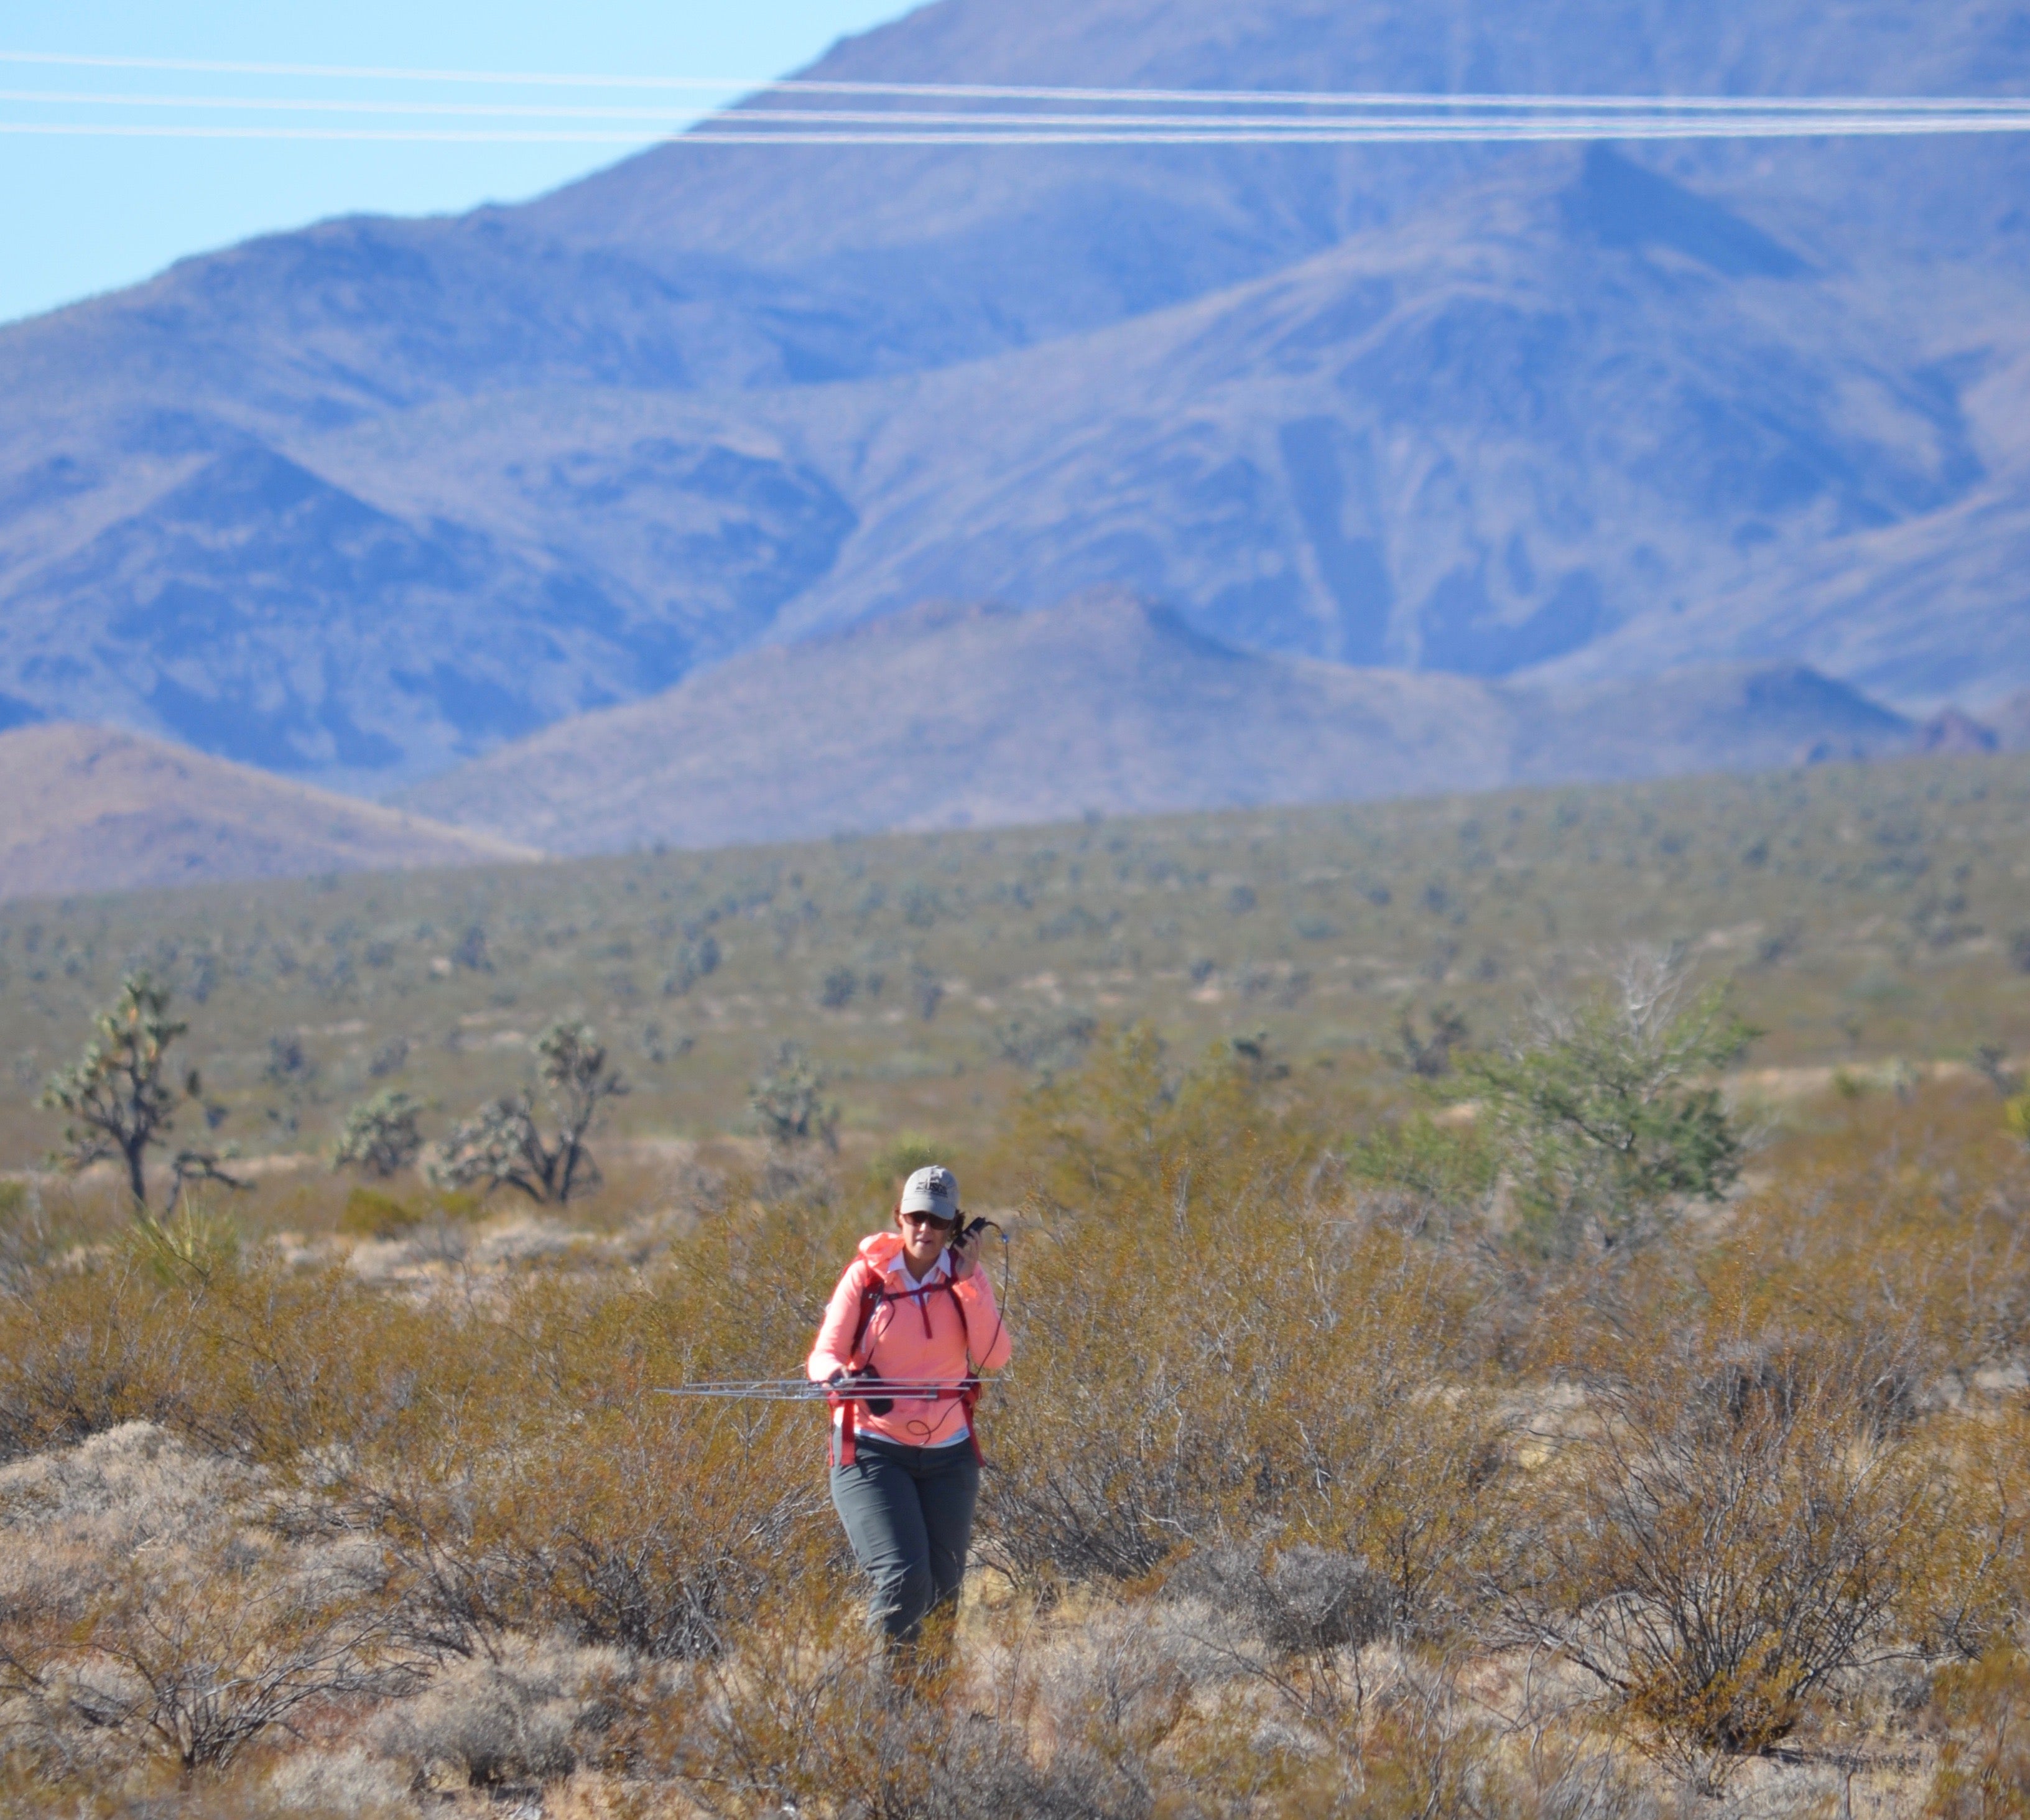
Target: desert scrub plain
{"type": "Point", "coordinates": [1872, 913]}
{"type": "Point", "coordinates": [1405, 1420]}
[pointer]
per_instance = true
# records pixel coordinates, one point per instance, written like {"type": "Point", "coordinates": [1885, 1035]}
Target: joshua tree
{"type": "Point", "coordinates": [1429, 1055]}
{"type": "Point", "coordinates": [502, 1145]}
{"type": "Point", "coordinates": [788, 1096]}
{"type": "Point", "coordinates": [380, 1135]}
{"type": "Point", "coordinates": [120, 1097]}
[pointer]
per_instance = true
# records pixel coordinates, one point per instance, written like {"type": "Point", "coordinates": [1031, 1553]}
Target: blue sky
{"type": "Point", "coordinates": [79, 214]}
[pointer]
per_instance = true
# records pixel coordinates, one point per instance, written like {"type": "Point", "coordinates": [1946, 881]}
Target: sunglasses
{"type": "Point", "coordinates": [929, 1220]}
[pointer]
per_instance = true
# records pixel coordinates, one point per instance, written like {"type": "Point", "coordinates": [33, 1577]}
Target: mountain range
{"type": "Point", "coordinates": [363, 502]}
{"type": "Point", "coordinates": [955, 716]}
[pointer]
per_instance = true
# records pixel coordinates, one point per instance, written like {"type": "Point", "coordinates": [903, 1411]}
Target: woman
{"type": "Point", "coordinates": [915, 1309]}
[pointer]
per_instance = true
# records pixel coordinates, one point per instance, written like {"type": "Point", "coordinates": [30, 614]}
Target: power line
{"type": "Point", "coordinates": [897, 118]}
{"type": "Point", "coordinates": [991, 92]}
{"type": "Point", "coordinates": [1547, 131]}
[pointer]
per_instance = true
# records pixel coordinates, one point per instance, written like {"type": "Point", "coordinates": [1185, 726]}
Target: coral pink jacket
{"type": "Point", "coordinates": [918, 1337]}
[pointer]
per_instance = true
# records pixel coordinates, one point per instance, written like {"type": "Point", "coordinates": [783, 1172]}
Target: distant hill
{"type": "Point", "coordinates": [89, 810]}
{"type": "Point", "coordinates": [2010, 720]}
{"type": "Point", "coordinates": [362, 501]}
{"type": "Point", "coordinates": [955, 716]}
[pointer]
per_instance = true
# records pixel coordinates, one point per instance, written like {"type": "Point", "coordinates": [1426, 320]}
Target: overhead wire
{"type": "Point", "coordinates": [712, 133]}
{"type": "Point", "coordinates": [1258, 117]}
{"type": "Point", "coordinates": [988, 91]}
{"type": "Point", "coordinates": [886, 118]}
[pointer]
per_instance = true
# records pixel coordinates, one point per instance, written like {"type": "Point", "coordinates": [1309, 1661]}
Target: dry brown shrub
{"type": "Point", "coordinates": [1913, 1216]}
{"type": "Point", "coordinates": [1213, 1339]}
{"type": "Point", "coordinates": [87, 1349]}
{"type": "Point", "coordinates": [1968, 1587]}
{"type": "Point", "coordinates": [525, 1711]}
{"type": "Point", "coordinates": [1249, 1469]}
{"type": "Point", "coordinates": [149, 1608]}
{"type": "Point", "coordinates": [1734, 1530]}
{"type": "Point", "coordinates": [1984, 1770]}
{"type": "Point", "coordinates": [341, 1784]}
{"type": "Point", "coordinates": [807, 1713]}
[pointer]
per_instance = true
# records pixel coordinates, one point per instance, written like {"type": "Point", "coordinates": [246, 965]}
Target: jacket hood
{"type": "Point", "coordinates": [881, 1250]}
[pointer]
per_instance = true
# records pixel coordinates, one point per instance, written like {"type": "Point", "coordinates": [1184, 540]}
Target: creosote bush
{"type": "Point", "coordinates": [1984, 1770]}
{"type": "Point", "coordinates": [1734, 1530]}
{"type": "Point", "coordinates": [1229, 1345]}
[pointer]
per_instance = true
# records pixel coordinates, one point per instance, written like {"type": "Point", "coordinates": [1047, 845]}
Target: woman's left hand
{"type": "Point", "coordinates": [958, 1256]}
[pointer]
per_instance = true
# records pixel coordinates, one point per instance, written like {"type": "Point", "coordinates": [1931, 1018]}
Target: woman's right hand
{"type": "Point", "coordinates": [959, 1259]}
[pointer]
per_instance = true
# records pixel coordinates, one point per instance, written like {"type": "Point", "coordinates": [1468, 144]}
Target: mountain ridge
{"type": "Point", "coordinates": [978, 714]}
{"type": "Point", "coordinates": [363, 501]}
{"type": "Point", "coordinates": [89, 808]}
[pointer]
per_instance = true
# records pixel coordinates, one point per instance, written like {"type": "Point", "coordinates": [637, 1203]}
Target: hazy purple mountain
{"type": "Point", "coordinates": [950, 715]}
{"type": "Point", "coordinates": [365, 499]}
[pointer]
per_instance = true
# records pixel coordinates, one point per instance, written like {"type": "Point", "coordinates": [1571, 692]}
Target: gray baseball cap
{"type": "Point", "coordinates": [934, 1189]}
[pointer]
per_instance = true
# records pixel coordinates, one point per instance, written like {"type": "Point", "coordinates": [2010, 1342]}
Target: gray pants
{"type": "Point", "coordinates": [908, 1512]}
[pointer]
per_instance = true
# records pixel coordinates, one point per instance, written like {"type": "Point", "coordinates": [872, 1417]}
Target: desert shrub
{"type": "Point", "coordinates": [2016, 1116]}
{"type": "Point", "coordinates": [1223, 1348]}
{"type": "Point", "coordinates": [343, 1785]}
{"type": "Point", "coordinates": [695, 961]}
{"type": "Point", "coordinates": [292, 1073]}
{"type": "Point", "coordinates": [86, 1350]}
{"type": "Point", "coordinates": [515, 1462]}
{"type": "Point", "coordinates": [381, 1137]}
{"type": "Point", "coordinates": [1045, 1046]}
{"type": "Point", "coordinates": [1916, 1215]}
{"type": "Point", "coordinates": [1275, 1468]}
{"type": "Point", "coordinates": [1969, 1589]}
{"type": "Point", "coordinates": [805, 1716]}
{"type": "Point", "coordinates": [653, 1534]}
{"type": "Point", "coordinates": [898, 1160]}
{"type": "Point", "coordinates": [1427, 1053]}
{"type": "Point", "coordinates": [1607, 1114]}
{"type": "Point", "coordinates": [1443, 1167]}
{"type": "Point", "coordinates": [146, 1600]}
{"type": "Point", "coordinates": [1299, 1600]}
{"type": "Point", "coordinates": [1984, 1771]}
{"type": "Point", "coordinates": [533, 1479]}
{"type": "Point", "coordinates": [1733, 1530]}
{"type": "Point", "coordinates": [368, 1214]}
{"type": "Point", "coordinates": [518, 1713]}
{"type": "Point", "coordinates": [25, 1232]}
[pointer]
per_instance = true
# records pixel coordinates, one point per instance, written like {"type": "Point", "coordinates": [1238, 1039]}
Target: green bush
{"type": "Point", "coordinates": [370, 1214]}
{"type": "Point", "coordinates": [1609, 1112]}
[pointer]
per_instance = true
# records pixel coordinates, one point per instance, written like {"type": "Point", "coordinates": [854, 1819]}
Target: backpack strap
{"type": "Point", "coordinates": [968, 1395]}
{"type": "Point", "coordinates": [872, 1294]}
